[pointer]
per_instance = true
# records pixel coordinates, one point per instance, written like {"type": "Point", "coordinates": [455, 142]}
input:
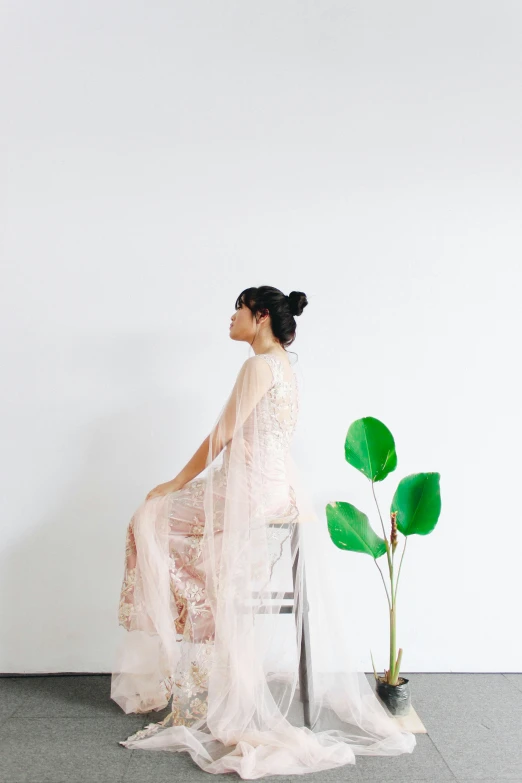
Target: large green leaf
{"type": "Point", "coordinates": [417, 502]}
{"type": "Point", "coordinates": [350, 529]}
{"type": "Point", "coordinates": [369, 447]}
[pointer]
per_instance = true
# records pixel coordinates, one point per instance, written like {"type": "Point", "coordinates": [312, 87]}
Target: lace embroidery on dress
{"type": "Point", "coordinates": [284, 407]}
{"type": "Point", "coordinates": [194, 622]}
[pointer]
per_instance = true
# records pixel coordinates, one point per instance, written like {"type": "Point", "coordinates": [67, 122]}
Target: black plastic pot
{"type": "Point", "coordinates": [396, 697]}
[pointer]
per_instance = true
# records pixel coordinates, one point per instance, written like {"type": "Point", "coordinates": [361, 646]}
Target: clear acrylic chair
{"type": "Point", "coordinates": [305, 661]}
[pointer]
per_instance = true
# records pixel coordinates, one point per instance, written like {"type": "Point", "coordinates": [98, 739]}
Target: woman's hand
{"type": "Point", "coordinates": [164, 489]}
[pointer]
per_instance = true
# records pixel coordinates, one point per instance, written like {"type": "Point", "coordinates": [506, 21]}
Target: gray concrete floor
{"type": "Point", "coordinates": [65, 729]}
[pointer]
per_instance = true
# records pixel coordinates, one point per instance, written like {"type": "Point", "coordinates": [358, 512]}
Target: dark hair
{"type": "Point", "coordinates": [280, 307]}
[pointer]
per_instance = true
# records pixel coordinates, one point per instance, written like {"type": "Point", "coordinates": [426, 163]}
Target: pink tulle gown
{"type": "Point", "coordinates": [219, 619]}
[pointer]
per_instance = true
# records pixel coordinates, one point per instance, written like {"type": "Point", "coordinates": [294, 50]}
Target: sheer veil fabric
{"type": "Point", "coordinates": [229, 609]}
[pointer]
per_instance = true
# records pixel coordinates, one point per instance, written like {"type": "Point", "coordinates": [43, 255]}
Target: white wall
{"type": "Point", "coordinates": [157, 158]}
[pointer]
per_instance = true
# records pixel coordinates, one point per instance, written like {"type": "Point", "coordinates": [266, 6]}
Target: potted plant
{"type": "Point", "coordinates": [370, 448]}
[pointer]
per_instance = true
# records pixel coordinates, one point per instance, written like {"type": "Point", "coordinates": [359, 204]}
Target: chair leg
{"type": "Point", "coordinates": [305, 659]}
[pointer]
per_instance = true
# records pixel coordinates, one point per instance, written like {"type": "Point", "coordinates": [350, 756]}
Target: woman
{"type": "Point", "coordinates": [214, 598]}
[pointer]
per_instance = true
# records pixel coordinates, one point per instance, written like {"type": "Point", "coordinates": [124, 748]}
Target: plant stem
{"type": "Point", "coordinates": [393, 644]}
{"type": "Point", "coordinates": [397, 666]}
{"type": "Point", "coordinates": [384, 583]}
{"type": "Point", "coordinates": [379, 511]}
{"type": "Point", "coordinates": [400, 565]}
{"type": "Point", "coordinates": [383, 530]}
{"type": "Point", "coordinates": [391, 603]}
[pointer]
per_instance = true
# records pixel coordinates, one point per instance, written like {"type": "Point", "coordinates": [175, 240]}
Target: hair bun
{"type": "Point", "coordinates": [297, 301]}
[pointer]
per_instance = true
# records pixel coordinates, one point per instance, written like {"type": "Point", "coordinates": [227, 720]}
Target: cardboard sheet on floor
{"type": "Point", "coordinates": [411, 722]}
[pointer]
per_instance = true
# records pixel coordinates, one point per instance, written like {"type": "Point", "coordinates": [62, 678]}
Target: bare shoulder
{"type": "Point", "coordinates": [257, 366]}
{"type": "Point", "coordinates": [257, 360]}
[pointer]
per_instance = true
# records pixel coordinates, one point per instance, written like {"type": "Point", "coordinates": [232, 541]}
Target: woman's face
{"type": "Point", "coordinates": [242, 324]}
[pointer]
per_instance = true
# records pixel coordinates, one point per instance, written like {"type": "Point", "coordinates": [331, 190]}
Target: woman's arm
{"type": "Point", "coordinates": [253, 380]}
{"type": "Point", "coordinates": [194, 466]}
